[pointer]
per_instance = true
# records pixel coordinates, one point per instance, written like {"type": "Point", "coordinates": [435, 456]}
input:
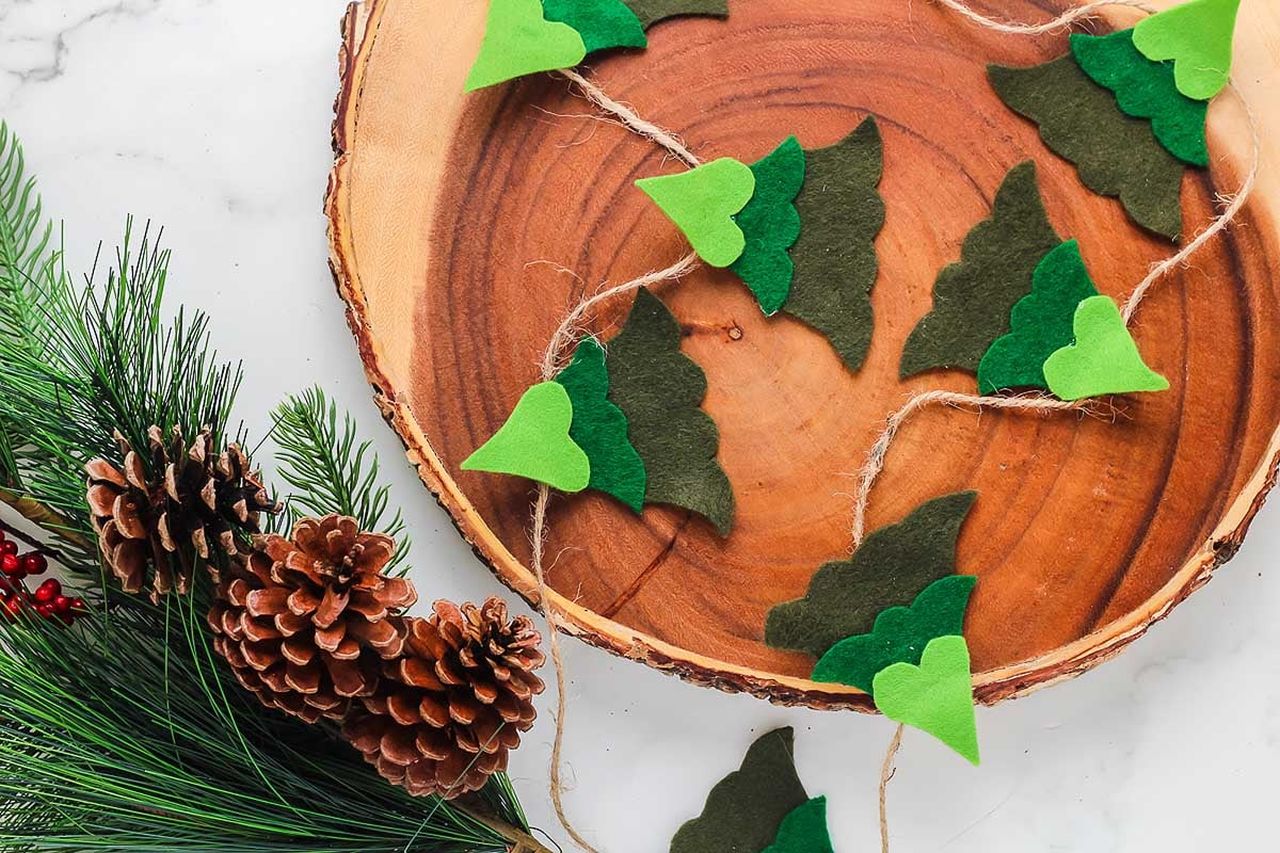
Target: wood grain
{"type": "Point", "coordinates": [464, 227]}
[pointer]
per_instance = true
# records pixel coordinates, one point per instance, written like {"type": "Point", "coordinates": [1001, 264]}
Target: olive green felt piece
{"type": "Point", "coordinates": [1145, 89]}
{"type": "Point", "coordinates": [804, 830]}
{"type": "Point", "coordinates": [534, 442]}
{"type": "Point", "coordinates": [1197, 36]}
{"type": "Point", "coordinates": [890, 569]}
{"type": "Point", "coordinates": [651, 12]}
{"type": "Point", "coordinates": [900, 634]}
{"type": "Point", "coordinates": [746, 808]}
{"type": "Point", "coordinates": [659, 390]}
{"type": "Point", "coordinates": [835, 256]}
{"type": "Point", "coordinates": [935, 697]}
{"type": "Point", "coordinates": [771, 225]}
{"type": "Point", "coordinates": [1041, 323]}
{"type": "Point", "coordinates": [600, 428]}
{"type": "Point", "coordinates": [1104, 358]}
{"type": "Point", "coordinates": [1116, 155]}
{"type": "Point", "coordinates": [972, 298]}
{"type": "Point", "coordinates": [518, 40]}
{"type": "Point", "coordinates": [702, 203]}
{"type": "Point", "coordinates": [601, 23]}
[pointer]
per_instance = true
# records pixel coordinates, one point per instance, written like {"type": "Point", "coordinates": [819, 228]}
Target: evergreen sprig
{"type": "Point", "coordinates": [127, 732]}
{"type": "Point", "coordinates": [329, 470]}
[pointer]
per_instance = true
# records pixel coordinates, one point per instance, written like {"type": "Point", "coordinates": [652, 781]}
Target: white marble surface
{"type": "Point", "coordinates": [211, 117]}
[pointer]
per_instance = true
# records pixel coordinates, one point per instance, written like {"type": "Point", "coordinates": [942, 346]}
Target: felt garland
{"type": "Point", "coordinates": [1129, 109]}
{"type": "Point", "coordinates": [916, 659]}
{"type": "Point", "coordinates": [524, 37]}
{"type": "Point", "coordinates": [809, 253]}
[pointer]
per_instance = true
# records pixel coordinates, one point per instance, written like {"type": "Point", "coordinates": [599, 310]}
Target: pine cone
{"type": "Point", "coordinates": [449, 710]}
{"type": "Point", "coordinates": [305, 623]}
{"type": "Point", "coordinates": [176, 503]}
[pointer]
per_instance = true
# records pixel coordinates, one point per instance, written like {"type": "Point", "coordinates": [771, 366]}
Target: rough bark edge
{"type": "Point", "coordinates": [360, 28]}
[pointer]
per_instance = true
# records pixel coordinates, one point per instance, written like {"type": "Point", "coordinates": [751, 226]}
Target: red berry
{"type": "Point", "coordinates": [34, 563]}
{"type": "Point", "coordinates": [62, 604]}
{"type": "Point", "coordinates": [77, 606]}
{"type": "Point", "coordinates": [13, 605]}
{"type": "Point", "coordinates": [7, 547]}
{"type": "Point", "coordinates": [45, 610]}
{"type": "Point", "coordinates": [11, 566]}
{"type": "Point", "coordinates": [48, 591]}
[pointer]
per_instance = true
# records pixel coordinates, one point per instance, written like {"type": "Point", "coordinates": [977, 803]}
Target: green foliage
{"type": "Point", "coordinates": [127, 732]}
{"type": "Point", "coordinates": [25, 235]}
{"type": "Point", "coordinates": [91, 359]}
{"type": "Point", "coordinates": [329, 471]}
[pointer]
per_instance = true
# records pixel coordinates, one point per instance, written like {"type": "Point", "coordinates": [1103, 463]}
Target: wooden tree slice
{"type": "Point", "coordinates": [463, 227]}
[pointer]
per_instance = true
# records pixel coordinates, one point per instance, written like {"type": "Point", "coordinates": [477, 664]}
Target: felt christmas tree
{"type": "Point", "coordinates": [798, 227]}
{"type": "Point", "coordinates": [1011, 310]}
{"type": "Point", "coordinates": [890, 622]}
{"type": "Point", "coordinates": [627, 424]}
{"type": "Point", "coordinates": [527, 36]}
{"type": "Point", "coordinates": [1128, 109]}
{"type": "Point", "coordinates": [762, 806]}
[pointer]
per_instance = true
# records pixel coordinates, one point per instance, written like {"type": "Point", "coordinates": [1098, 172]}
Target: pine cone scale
{"type": "Point", "coordinates": [170, 500]}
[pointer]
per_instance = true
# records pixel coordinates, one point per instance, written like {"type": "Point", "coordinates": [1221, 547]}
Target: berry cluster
{"type": "Point", "coordinates": [48, 600]}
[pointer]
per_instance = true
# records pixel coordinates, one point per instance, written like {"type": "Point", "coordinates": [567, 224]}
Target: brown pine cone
{"type": "Point", "coordinates": [305, 623]}
{"type": "Point", "coordinates": [449, 710]}
{"type": "Point", "coordinates": [174, 501]}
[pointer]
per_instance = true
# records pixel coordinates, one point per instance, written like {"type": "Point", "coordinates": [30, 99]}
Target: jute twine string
{"type": "Point", "coordinates": [564, 335]}
{"type": "Point", "coordinates": [629, 119]}
{"type": "Point", "coordinates": [886, 774]}
{"type": "Point", "coordinates": [1232, 205]}
{"type": "Point", "coordinates": [568, 329]}
{"type": "Point", "coordinates": [1066, 19]}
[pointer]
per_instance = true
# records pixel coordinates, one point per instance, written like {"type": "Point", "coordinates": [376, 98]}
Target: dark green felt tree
{"type": "Point", "coordinates": [889, 569]}
{"type": "Point", "coordinates": [651, 12]}
{"type": "Point", "coordinates": [659, 390]}
{"type": "Point", "coordinates": [972, 299]}
{"type": "Point", "coordinates": [900, 634]}
{"type": "Point", "coordinates": [835, 257]}
{"type": "Point", "coordinates": [1145, 89]}
{"type": "Point", "coordinates": [807, 227]}
{"type": "Point", "coordinates": [1120, 118]}
{"type": "Point", "coordinates": [746, 808]}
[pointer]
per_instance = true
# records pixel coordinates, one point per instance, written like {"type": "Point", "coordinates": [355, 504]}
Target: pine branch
{"type": "Point", "coordinates": [124, 735]}
{"type": "Point", "coordinates": [127, 732]}
{"type": "Point", "coordinates": [329, 471]}
{"type": "Point", "coordinates": [97, 359]}
{"type": "Point", "coordinates": [25, 239]}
